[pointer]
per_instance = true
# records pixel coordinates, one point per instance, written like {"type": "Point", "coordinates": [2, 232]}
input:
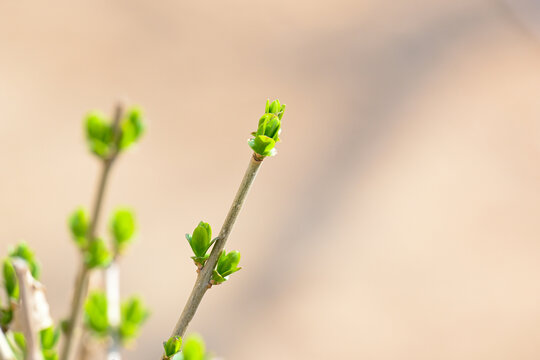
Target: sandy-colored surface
{"type": "Point", "coordinates": [401, 219]}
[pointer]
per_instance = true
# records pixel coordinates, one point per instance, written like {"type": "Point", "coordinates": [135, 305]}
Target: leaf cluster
{"type": "Point", "coordinates": [227, 265]}
{"type": "Point", "coordinates": [194, 348]}
{"type": "Point", "coordinates": [133, 315]}
{"type": "Point", "coordinates": [11, 284]}
{"type": "Point", "coordinates": [96, 253]}
{"type": "Point", "coordinates": [200, 242]}
{"type": "Point", "coordinates": [267, 135]}
{"type": "Point", "coordinates": [104, 140]}
{"type": "Point", "coordinates": [49, 339]}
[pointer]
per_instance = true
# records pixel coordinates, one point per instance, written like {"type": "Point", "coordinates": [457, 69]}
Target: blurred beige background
{"type": "Point", "coordinates": [400, 219]}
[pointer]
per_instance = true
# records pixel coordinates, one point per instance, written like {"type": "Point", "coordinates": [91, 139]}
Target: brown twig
{"type": "Point", "coordinates": [205, 274]}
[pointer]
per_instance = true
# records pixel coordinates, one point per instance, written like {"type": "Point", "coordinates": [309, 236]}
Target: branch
{"type": "Point", "coordinates": [203, 279]}
{"type": "Point", "coordinates": [81, 284]}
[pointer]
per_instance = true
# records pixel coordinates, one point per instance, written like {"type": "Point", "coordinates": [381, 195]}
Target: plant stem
{"type": "Point", "coordinates": [203, 279]}
{"type": "Point", "coordinates": [112, 272]}
{"type": "Point", "coordinates": [112, 291]}
{"type": "Point", "coordinates": [74, 330]}
{"type": "Point", "coordinates": [81, 284]}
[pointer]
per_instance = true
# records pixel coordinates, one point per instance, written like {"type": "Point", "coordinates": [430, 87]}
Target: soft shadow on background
{"type": "Point", "coordinates": [400, 219]}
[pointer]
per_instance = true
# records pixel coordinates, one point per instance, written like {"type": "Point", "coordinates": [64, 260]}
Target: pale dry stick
{"type": "Point", "coordinates": [30, 330]}
{"type": "Point", "coordinates": [5, 350]}
{"type": "Point", "coordinates": [203, 279]}
{"type": "Point", "coordinates": [81, 284]}
{"type": "Point", "coordinates": [112, 291]}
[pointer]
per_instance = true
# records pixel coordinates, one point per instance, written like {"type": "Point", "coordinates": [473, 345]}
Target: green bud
{"type": "Point", "coordinates": [172, 346]}
{"type": "Point", "coordinates": [95, 311]}
{"type": "Point", "coordinates": [122, 228]}
{"type": "Point", "coordinates": [49, 337]}
{"type": "Point", "coordinates": [97, 254]}
{"type": "Point", "coordinates": [78, 224]}
{"type": "Point", "coordinates": [275, 108]}
{"type": "Point", "coordinates": [10, 280]}
{"type": "Point", "coordinates": [24, 252]}
{"type": "Point", "coordinates": [194, 348]}
{"type": "Point", "coordinates": [227, 265]}
{"type": "Point", "coordinates": [132, 127]}
{"type": "Point", "coordinates": [99, 134]}
{"type": "Point", "coordinates": [200, 242]}
{"type": "Point", "coordinates": [267, 135]}
{"type": "Point", "coordinates": [65, 326]}
{"type": "Point", "coordinates": [133, 315]}
{"type": "Point", "coordinates": [6, 315]}
{"type": "Point", "coordinates": [269, 126]}
{"type": "Point", "coordinates": [263, 145]}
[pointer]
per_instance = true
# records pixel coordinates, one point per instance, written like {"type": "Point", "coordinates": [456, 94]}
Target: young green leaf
{"type": "Point", "coordinates": [78, 225]}
{"type": "Point", "coordinates": [269, 126]}
{"type": "Point", "coordinates": [6, 315]}
{"type": "Point", "coordinates": [49, 337]}
{"type": "Point", "coordinates": [200, 242]}
{"type": "Point", "coordinates": [95, 311]}
{"type": "Point", "coordinates": [123, 228]}
{"type": "Point", "coordinates": [133, 315]}
{"type": "Point", "coordinates": [277, 108]}
{"type": "Point", "coordinates": [132, 127]}
{"type": "Point", "coordinates": [10, 280]}
{"type": "Point", "coordinates": [99, 134]}
{"type": "Point", "coordinates": [24, 252]}
{"type": "Point", "coordinates": [194, 348]}
{"type": "Point", "coordinates": [263, 145]}
{"type": "Point", "coordinates": [172, 346]}
{"type": "Point", "coordinates": [97, 254]}
{"type": "Point", "coordinates": [227, 265]}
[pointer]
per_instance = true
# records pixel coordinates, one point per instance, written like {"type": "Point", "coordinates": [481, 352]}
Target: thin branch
{"type": "Point", "coordinates": [203, 279]}
{"type": "Point", "coordinates": [112, 273]}
{"type": "Point", "coordinates": [30, 330]}
{"type": "Point", "coordinates": [73, 330]}
{"type": "Point", "coordinates": [81, 284]}
{"type": "Point", "coordinates": [112, 291]}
